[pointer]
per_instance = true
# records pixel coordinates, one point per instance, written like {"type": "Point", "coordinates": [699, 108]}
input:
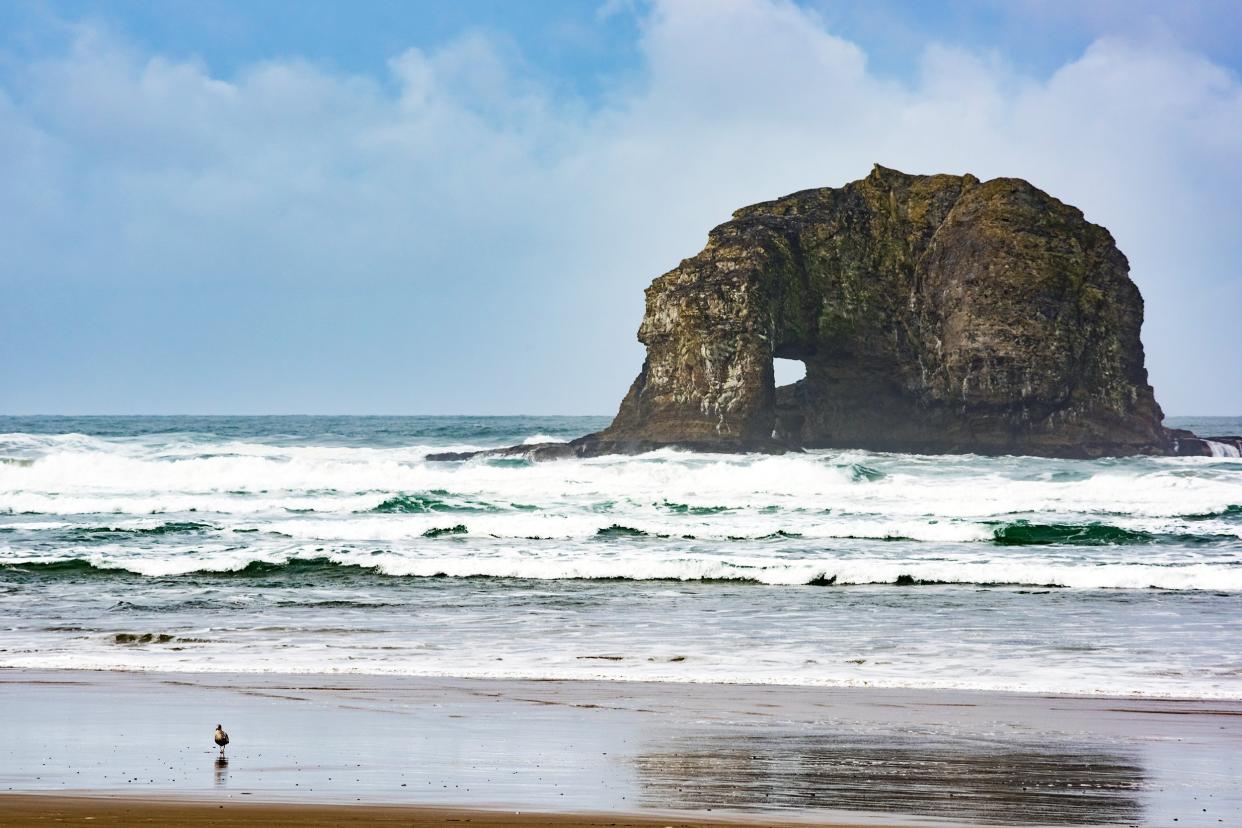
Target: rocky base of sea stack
{"type": "Point", "coordinates": [592, 446]}
{"type": "Point", "coordinates": [1183, 443]}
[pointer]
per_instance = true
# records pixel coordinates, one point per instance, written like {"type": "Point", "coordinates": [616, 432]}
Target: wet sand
{"type": "Point", "coordinates": [21, 811]}
{"type": "Point", "coordinates": [626, 751]}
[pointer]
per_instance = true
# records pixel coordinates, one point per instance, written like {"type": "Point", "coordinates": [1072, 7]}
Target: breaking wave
{"type": "Point", "coordinates": [687, 568]}
{"type": "Point", "coordinates": [332, 544]}
{"type": "Point", "coordinates": [437, 500]}
{"type": "Point", "coordinates": [1023, 533]}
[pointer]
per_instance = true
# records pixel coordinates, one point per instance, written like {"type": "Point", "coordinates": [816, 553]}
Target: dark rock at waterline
{"type": "Point", "coordinates": [592, 446]}
{"type": "Point", "coordinates": [934, 313]}
{"type": "Point", "coordinates": [1191, 447]}
{"type": "Point", "coordinates": [1188, 444]}
{"type": "Point", "coordinates": [534, 451]}
{"type": "Point", "coordinates": [1185, 443]}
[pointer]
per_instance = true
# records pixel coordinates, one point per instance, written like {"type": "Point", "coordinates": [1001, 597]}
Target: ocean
{"type": "Point", "coordinates": [330, 545]}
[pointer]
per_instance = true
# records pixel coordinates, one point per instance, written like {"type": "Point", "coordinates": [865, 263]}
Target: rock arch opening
{"type": "Point", "coordinates": [787, 371]}
{"type": "Point", "coordinates": [790, 399]}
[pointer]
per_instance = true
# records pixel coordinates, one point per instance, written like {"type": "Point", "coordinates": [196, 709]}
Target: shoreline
{"type": "Point", "coordinates": [675, 681]}
{"type": "Point", "coordinates": [761, 754]}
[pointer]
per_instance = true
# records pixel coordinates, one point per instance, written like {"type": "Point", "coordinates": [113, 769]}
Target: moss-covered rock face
{"type": "Point", "coordinates": [934, 314]}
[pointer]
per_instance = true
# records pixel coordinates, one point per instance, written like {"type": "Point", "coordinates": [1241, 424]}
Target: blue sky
{"type": "Point", "coordinates": [398, 207]}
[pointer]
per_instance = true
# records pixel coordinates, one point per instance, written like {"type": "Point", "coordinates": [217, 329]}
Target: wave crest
{"type": "Point", "coordinates": [703, 569]}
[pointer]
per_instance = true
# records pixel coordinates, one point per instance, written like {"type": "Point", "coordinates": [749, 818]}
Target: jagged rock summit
{"type": "Point", "coordinates": [934, 313]}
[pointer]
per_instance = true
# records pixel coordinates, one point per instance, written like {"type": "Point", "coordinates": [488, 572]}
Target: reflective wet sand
{"type": "Point", "coordinates": [759, 753]}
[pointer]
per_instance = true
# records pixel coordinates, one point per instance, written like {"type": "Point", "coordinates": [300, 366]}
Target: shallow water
{"type": "Point", "coordinates": [328, 544]}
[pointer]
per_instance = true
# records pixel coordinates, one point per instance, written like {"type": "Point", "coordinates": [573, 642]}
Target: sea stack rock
{"type": "Point", "coordinates": [934, 313]}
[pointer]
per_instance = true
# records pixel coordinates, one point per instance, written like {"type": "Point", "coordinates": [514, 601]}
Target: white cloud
{"type": "Point", "coordinates": [514, 229]}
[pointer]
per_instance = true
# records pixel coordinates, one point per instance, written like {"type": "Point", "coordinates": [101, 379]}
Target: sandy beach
{"type": "Point", "coordinates": [620, 413]}
{"type": "Point", "coordinates": [312, 749]}
{"type": "Point", "coordinates": [20, 810]}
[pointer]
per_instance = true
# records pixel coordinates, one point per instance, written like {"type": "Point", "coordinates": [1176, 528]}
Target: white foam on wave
{"type": "Point", "coordinates": [36, 525]}
{"type": "Point", "coordinates": [1223, 449]}
{"type": "Point", "coordinates": [208, 557]}
{"type": "Point", "coordinates": [100, 476]}
{"type": "Point", "coordinates": [777, 572]}
{"type": "Point", "coordinates": [791, 568]}
{"type": "Point", "coordinates": [537, 439]}
{"type": "Point", "coordinates": [731, 506]}
{"type": "Point", "coordinates": [586, 526]}
{"type": "Point", "coordinates": [157, 661]}
{"type": "Point", "coordinates": [241, 505]}
{"type": "Point", "coordinates": [554, 663]}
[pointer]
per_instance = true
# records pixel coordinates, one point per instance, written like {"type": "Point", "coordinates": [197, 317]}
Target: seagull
{"type": "Point", "coordinates": [222, 738]}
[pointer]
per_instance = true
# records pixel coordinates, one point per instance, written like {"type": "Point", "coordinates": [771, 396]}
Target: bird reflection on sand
{"type": "Point", "coordinates": [222, 771]}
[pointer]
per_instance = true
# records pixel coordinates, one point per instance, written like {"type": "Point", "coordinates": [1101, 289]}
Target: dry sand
{"type": "Point", "coordinates": [316, 749]}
